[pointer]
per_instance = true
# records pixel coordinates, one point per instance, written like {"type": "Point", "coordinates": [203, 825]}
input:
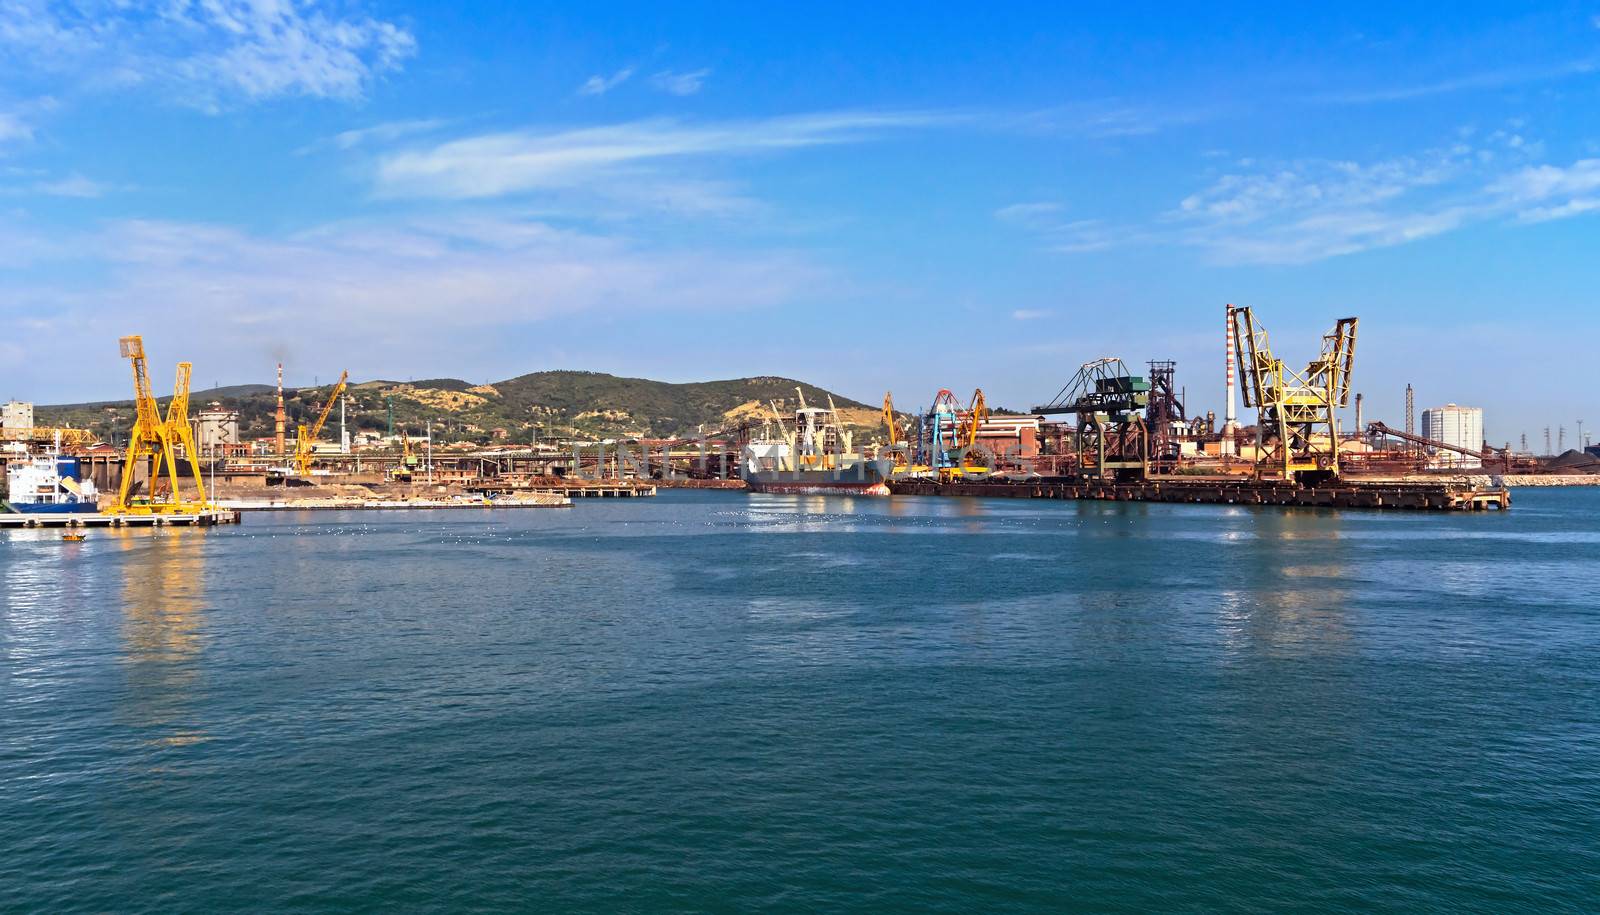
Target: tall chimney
{"type": "Point", "coordinates": [1230, 419]}
{"type": "Point", "coordinates": [278, 425]}
{"type": "Point", "coordinates": [1360, 429]}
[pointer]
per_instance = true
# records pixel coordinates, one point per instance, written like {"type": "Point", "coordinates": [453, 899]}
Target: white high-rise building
{"type": "Point", "coordinates": [1453, 425]}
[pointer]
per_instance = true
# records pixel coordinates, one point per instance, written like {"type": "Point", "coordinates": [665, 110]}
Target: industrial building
{"type": "Point", "coordinates": [1456, 426]}
{"type": "Point", "coordinates": [215, 428]}
{"type": "Point", "coordinates": [16, 418]}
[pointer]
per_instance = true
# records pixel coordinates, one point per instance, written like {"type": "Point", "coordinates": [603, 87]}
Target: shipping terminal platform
{"type": "Point", "coordinates": [1424, 496]}
{"type": "Point", "coordinates": [205, 518]}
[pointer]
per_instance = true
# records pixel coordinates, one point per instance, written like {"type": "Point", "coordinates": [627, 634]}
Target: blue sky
{"type": "Point", "coordinates": [866, 196]}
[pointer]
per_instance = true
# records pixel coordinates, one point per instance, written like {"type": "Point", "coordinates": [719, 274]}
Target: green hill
{"type": "Point", "coordinates": [561, 404]}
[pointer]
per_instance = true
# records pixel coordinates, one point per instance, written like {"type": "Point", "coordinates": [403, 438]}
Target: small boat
{"type": "Point", "coordinates": [74, 536]}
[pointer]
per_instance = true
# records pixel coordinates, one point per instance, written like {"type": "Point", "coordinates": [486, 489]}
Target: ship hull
{"type": "Point", "coordinates": [55, 508]}
{"type": "Point", "coordinates": [816, 482]}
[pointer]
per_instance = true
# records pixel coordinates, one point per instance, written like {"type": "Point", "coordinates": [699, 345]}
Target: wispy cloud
{"type": "Point", "coordinates": [600, 85]}
{"type": "Point", "coordinates": [1545, 192]}
{"type": "Point", "coordinates": [376, 134]}
{"type": "Point", "coordinates": [14, 128]}
{"type": "Point", "coordinates": [207, 54]}
{"type": "Point", "coordinates": [1035, 214]}
{"type": "Point", "coordinates": [1308, 210]}
{"type": "Point", "coordinates": [38, 183]}
{"type": "Point", "coordinates": [1486, 80]}
{"type": "Point", "coordinates": [365, 287]}
{"type": "Point", "coordinates": [1056, 232]}
{"type": "Point", "coordinates": [680, 83]}
{"type": "Point", "coordinates": [492, 165]}
{"type": "Point", "coordinates": [74, 185]}
{"type": "Point", "coordinates": [1107, 119]}
{"type": "Point", "coordinates": [1030, 314]}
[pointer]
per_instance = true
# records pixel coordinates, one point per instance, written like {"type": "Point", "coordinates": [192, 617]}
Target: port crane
{"type": "Point", "coordinates": [157, 441]}
{"type": "Point", "coordinates": [1112, 437]}
{"type": "Point", "coordinates": [897, 436]}
{"type": "Point", "coordinates": [305, 444]}
{"type": "Point", "coordinates": [1299, 423]}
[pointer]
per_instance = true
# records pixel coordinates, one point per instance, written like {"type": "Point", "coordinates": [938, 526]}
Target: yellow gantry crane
{"type": "Point", "coordinates": [966, 438]}
{"type": "Point", "coordinates": [1299, 423]}
{"type": "Point", "coordinates": [896, 435]}
{"type": "Point", "coordinates": [157, 440]}
{"type": "Point", "coordinates": [977, 415]}
{"type": "Point", "coordinates": [305, 444]}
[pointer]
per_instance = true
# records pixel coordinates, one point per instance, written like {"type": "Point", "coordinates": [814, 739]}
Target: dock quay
{"type": "Point", "coordinates": [622, 489]}
{"type": "Point", "coordinates": [528, 500]}
{"type": "Point", "coordinates": [1343, 494]}
{"type": "Point", "coordinates": [209, 518]}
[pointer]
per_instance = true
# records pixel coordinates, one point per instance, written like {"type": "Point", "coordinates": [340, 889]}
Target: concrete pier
{"type": "Point", "coordinates": [207, 518]}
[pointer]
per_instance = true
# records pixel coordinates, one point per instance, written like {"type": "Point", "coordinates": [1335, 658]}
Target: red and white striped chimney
{"type": "Point", "coordinates": [1230, 420]}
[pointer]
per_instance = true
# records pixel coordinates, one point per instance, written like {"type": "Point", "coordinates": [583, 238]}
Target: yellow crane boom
{"type": "Point", "coordinates": [155, 440]}
{"type": "Point", "coordinates": [305, 444]}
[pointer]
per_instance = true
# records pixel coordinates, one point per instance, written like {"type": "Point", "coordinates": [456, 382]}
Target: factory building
{"type": "Point", "coordinates": [1458, 426]}
{"type": "Point", "coordinates": [216, 428]}
{"type": "Point", "coordinates": [16, 417]}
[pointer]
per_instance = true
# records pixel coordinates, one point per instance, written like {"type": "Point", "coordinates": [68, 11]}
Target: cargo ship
{"type": "Point", "coordinates": [49, 484]}
{"type": "Point", "coordinates": [809, 452]}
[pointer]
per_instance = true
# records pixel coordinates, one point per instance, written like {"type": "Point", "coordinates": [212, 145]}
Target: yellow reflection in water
{"type": "Point", "coordinates": [163, 636]}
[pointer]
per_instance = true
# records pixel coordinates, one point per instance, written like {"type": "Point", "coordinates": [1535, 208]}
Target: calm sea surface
{"type": "Point", "coordinates": [714, 701]}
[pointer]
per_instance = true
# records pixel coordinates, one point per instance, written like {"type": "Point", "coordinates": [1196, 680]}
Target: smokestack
{"type": "Point", "coordinates": [278, 425]}
{"type": "Point", "coordinates": [1360, 429]}
{"type": "Point", "coordinates": [1411, 411]}
{"type": "Point", "coordinates": [1230, 420]}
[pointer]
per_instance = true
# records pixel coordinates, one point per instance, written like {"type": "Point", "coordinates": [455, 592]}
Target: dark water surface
{"type": "Point", "coordinates": [715, 701]}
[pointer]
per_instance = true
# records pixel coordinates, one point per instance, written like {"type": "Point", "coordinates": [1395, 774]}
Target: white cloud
{"type": "Point", "coordinates": [71, 185]}
{"type": "Point", "coordinates": [680, 83]}
{"type": "Point", "coordinates": [1028, 214]}
{"type": "Point", "coordinates": [600, 85]}
{"type": "Point", "coordinates": [207, 53]}
{"type": "Point", "coordinates": [1546, 192]}
{"type": "Point", "coordinates": [1308, 210]}
{"type": "Point", "coordinates": [74, 185]}
{"type": "Point", "coordinates": [1542, 182]}
{"type": "Point", "coordinates": [492, 165]}
{"type": "Point", "coordinates": [1488, 80]}
{"type": "Point", "coordinates": [393, 293]}
{"type": "Point", "coordinates": [378, 133]}
{"type": "Point", "coordinates": [1030, 314]}
{"type": "Point", "coordinates": [13, 128]}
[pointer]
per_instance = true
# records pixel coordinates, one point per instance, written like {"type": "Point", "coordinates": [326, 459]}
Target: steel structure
{"type": "Point", "coordinates": [1111, 438]}
{"type": "Point", "coordinates": [158, 440]}
{"type": "Point", "coordinates": [1164, 415]}
{"type": "Point", "coordinates": [945, 437]}
{"type": "Point", "coordinates": [897, 434]}
{"type": "Point", "coordinates": [1490, 457]}
{"type": "Point", "coordinates": [305, 444]}
{"type": "Point", "coordinates": [1298, 428]}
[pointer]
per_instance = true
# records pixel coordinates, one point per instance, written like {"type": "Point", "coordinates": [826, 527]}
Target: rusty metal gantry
{"type": "Point", "coordinates": [1164, 413]}
{"type": "Point", "coordinates": [1111, 438]}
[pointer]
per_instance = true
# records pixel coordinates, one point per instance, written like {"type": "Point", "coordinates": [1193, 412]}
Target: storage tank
{"type": "Point", "coordinates": [1458, 426]}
